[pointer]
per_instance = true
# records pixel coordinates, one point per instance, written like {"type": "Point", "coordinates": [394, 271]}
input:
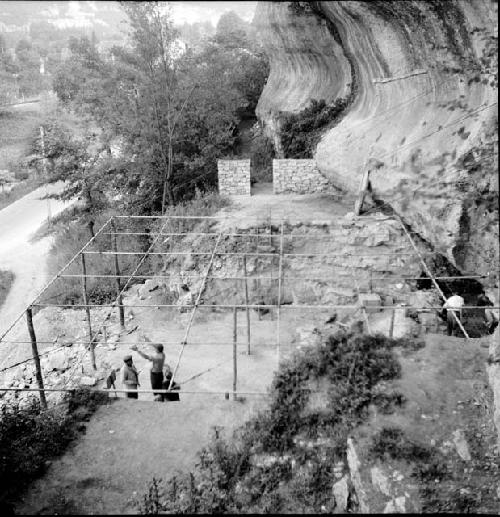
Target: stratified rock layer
{"type": "Point", "coordinates": [421, 79]}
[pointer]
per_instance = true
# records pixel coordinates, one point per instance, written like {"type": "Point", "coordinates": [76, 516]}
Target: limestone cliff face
{"type": "Point", "coordinates": [421, 78]}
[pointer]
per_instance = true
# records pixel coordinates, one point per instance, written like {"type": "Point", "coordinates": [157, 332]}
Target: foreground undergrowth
{"type": "Point", "coordinates": [283, 459]}
{"type": "Point", "coordinates": [31, 437]}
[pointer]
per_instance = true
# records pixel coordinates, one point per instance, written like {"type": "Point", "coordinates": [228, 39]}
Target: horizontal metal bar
{"type": "Point", "coordinates": [262, 235]}
{"type": "Point", "coordinates": [263, 306]}
{"type": "Point", "coordinates": [117, 390]}
{"type": "Point", "coordinates": [322, 279]}
{"type": "Point", "coordinates": [214, 343]}
{"type": "Point", "coordinates": [277, 212]}
{"type": "Point", "coordinates": [256, 254]}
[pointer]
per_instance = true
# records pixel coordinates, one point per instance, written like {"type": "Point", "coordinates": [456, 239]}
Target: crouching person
{"type": "Point", "coordinates": [166, 384]}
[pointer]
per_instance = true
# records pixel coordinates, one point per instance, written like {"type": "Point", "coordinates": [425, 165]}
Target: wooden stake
{"type": "Point", "coordinates": [235, 352]}
{"type": "Point", "coordinates": [117, 273]}
{"type": "Point", "coordinates": [87, 311]}
{"type": "Point", "coordinates": [246, 303]}
{"type": "Point", "coordinates": [391, 325]}
{"type": "Point", "coordinates": [280, 274]}
{"type": "Point", "coordinates": [362, 191]}
{"type": "Point", "coordinates": [36, 358]}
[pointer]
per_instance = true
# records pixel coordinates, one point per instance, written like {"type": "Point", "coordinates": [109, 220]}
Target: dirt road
{"type": "Point", "coordinates": [26, 260]}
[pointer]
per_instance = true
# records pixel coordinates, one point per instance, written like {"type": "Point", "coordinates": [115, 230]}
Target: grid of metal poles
{"type": "Point", "coordinates": [111, 230]}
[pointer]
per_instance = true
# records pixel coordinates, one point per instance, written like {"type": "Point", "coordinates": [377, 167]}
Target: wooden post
{"type": "Point", "coordinates": [87, 311]}
{"type": "Point", "coordinates": [371, 280]}
{"type": "Point", "coordinates": [246, 303]}
{"type": "Point", "coordinates": [105, 334]}
{"type": "Point", "coordinates": [362, 191]}
{"type": "Point", "coordinates": [235, 351]}
{"type": "Point", "coordinates": [391, 325]}
{"type": "Point", "coordinates": [36, 358]}
{"type": "Point", "coordinates": [280, 274]}
{"type": "Point", "coordinates": [117, 273]}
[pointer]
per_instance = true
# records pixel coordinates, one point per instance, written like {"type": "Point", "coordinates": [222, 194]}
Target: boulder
{"type": "Point", "coordinates": [461, 445]}
{"type": "Point", "coordinates": [86, 380]}
{"type": "Point", "coordinates": [396, 505]}
{"type": "Point", "coordinates": [380, 480]}
{"type": "Point", "coordinates": [58, 361]}
{"type": "Point", "coordinates": [340, 491]}
{"type": "Point", "coordinates": [354, 469]}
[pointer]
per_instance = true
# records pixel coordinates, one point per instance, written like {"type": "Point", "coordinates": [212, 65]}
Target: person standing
{"type": "Point", "coordinates": [158, 360]}
{"type": "Point", "coordinates": [130, 377]}
{"type": "Point", "coordinates": [453, 306]}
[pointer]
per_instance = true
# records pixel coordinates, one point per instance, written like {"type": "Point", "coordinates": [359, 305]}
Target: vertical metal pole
{"type": "Point", "coordinates": [371, 280]}
{"type": "Point", "coordinates": [280, 272]}
{"type": "Point", "coordinates": [87, 311]}
{"type": "Point", "coordinates": [117, 273]}
{"type": "Point", "coordinates": [391, 325]}
{"type": "Point", "coordinates": [246, 303]}
{"type": "Point", "coordinates": [36, 358]}
{"type": "Point", "coordinates": [235, 351]}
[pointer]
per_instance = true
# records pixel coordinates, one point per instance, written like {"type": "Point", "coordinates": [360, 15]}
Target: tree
{"type": "Point", "coordinates": [155, 43]}
{"type": "Point", "coordinates": [232, 30]}
{"type": "Point", "coordinates": [79, 162]}
{"type": "Point", "coordinates": [173, 111]}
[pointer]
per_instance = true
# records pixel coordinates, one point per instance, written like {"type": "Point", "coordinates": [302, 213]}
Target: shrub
{"type": "Point", "coordinates": [228, 479]}
{"type": "Point", "coordinates": [30, 436]}
{"type": "Point", "coordinates": [392, 442]}
{"type": "Point", "coordinates": [300, 132]}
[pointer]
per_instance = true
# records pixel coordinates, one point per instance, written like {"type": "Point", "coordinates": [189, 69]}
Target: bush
{"type": "Point", "coordinates": [31, 436]}
{"type": "Point", "coordinates": [227, 479]}
{"type": "Point", "coordinates": [300, 132]}
{"type": "Point", "coordinates": [392, 442]}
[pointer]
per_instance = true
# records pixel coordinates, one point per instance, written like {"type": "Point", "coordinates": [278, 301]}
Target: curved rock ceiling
{"type": "Point", "coordinates": [421, 77]}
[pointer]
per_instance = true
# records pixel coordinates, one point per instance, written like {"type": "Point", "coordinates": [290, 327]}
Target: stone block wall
{"type": "Point", "coordinates": [234, 177]}
{"type": "Point", "coordinates": [299, 177]}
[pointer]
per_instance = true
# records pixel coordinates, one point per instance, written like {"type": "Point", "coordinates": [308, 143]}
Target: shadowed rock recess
{"type": "Point", "coordinates": [420, 79]}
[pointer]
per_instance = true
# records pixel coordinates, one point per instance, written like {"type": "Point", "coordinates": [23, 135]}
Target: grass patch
{"type": "Point", "coordinates": [6, 281]}
{"type": "Point", "coordinates": [30, 437]}
{"type": "Point", "coordinates": [282, 460]}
